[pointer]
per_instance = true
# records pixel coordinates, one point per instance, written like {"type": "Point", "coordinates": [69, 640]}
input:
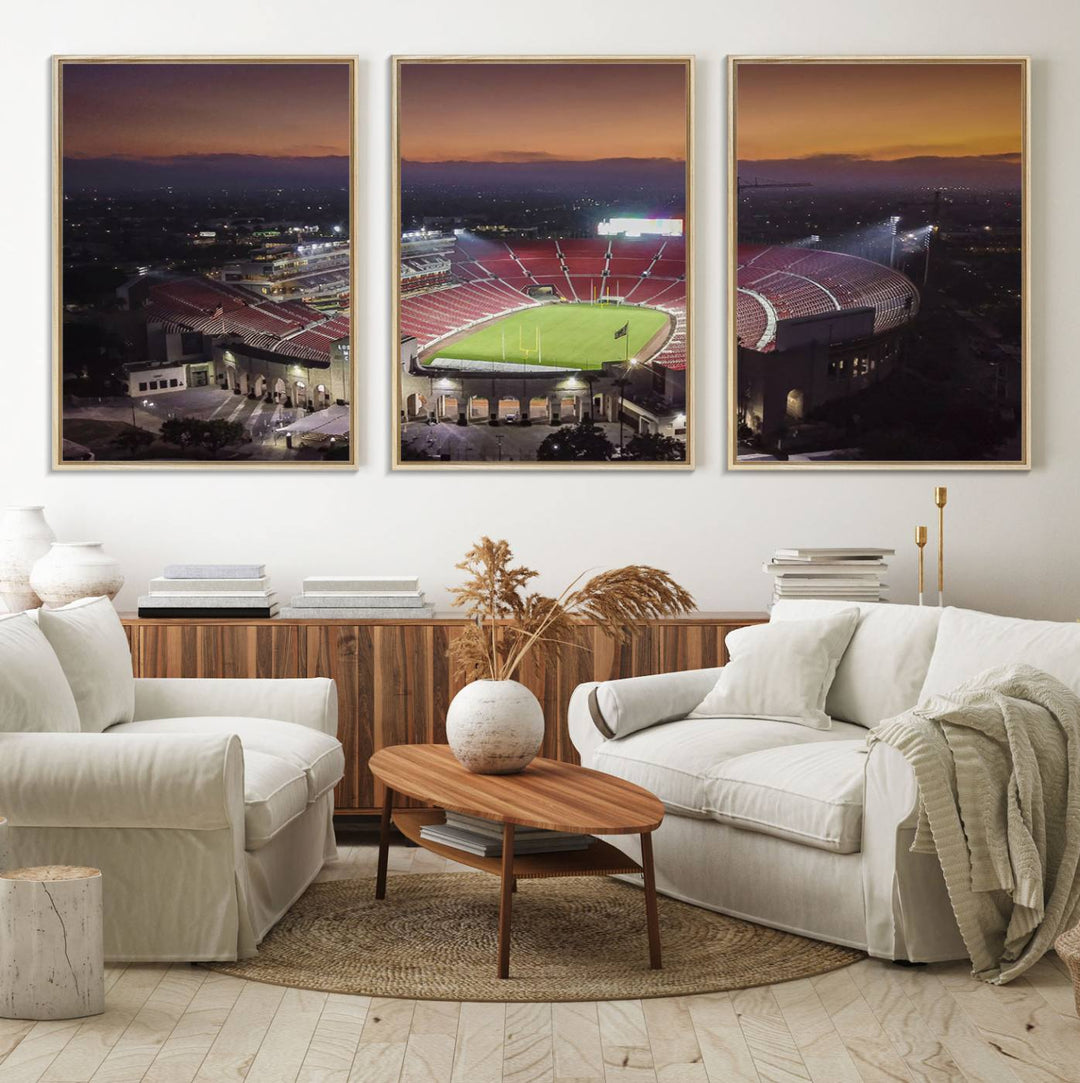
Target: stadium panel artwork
{"type": "Point", "coordinates": [878, 263]}
{"type": "Point", "coordinates": [204, 242]}
{"type": "Point", "coordinates": [542, 270]}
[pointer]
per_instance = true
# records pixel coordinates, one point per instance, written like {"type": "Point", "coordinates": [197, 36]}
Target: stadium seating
{"type": "Point", "coordinates": [214, 308]}
{"type": "Point", "coordinates": [811, 282]}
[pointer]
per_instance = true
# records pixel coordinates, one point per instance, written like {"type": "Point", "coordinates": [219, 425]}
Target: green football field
{"type": "Point", "coordinates": [562, 335]}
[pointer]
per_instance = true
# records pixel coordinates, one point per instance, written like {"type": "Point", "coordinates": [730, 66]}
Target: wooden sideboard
{"type": "Point", "coordinates": [393, 679]}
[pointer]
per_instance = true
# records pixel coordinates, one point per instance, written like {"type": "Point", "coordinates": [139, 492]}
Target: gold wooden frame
{"type": "Point", "coordinates": [58, 462]}
{"type": "Point", "coordinates": [397, 62]}
{"type": "Point", "coordinates": [1024, 463]}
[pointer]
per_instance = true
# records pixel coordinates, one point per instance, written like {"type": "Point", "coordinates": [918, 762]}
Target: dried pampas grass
{"type": "Point", "coordinates": [509, 623]}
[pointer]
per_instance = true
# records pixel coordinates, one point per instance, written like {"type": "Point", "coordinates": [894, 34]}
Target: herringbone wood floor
{"type": "Point", "coordinates": [871, 1021]}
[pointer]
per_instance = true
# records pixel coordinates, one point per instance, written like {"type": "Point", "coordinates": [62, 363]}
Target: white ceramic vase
{"type": "Point", "coordinates": [495, 727]}
{"type": "Point", "coordinates": [25, 537]}
{"type": "Point", "coordinates": [74, 570]}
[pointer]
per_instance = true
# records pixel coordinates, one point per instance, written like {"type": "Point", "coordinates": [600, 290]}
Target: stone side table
{"type": "Point", "coordinates": [52, 952]}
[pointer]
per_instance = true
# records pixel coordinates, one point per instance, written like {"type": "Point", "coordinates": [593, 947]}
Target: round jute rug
{"type": "Point", "coordinates": [434, 937]}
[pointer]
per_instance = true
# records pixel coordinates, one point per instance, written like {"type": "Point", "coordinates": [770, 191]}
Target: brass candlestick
{"type": "Point", "coordinates": [920, 541]}
{"type": "Point", "coordinates": [941, 494]}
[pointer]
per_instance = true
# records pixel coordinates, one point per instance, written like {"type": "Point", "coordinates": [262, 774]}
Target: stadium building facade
{"type": "Point", "coordinates": [203, 332]}
{"type": "Point", "coordinates": [812, 326]}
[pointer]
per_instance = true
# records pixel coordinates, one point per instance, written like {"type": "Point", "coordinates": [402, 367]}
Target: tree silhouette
{"type": "Point", "coordinates": [656, 448]}
{"type": "Point", "coordinates": [583, 442]}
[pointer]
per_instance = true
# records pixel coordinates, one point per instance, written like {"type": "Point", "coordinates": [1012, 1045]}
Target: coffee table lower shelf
{"type": "Point", "coordinates": [600, 859]}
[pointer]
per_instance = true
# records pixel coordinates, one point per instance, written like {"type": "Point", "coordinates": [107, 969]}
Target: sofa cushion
{"type": "Point", "coordinates": [34, 693]}
{"type": "Point", "coordinates": [886, 662]}
{"type": "Point", "coordinates": [970, 642]}
{"type": "Point", "coordinates": [679, 761]}
{"type": "Point", "coordinates": [317, 754]}
{"type": "Point", "coordinates": [808, 793]}
{"type": "Point", "coordinates": [624, 706]}
{"type": "Point", "coordinates": [275, 793]}
{"type": "Point", "coordinates": [93, 650]}
{"type": "Point", "coordinates": [781, 671]}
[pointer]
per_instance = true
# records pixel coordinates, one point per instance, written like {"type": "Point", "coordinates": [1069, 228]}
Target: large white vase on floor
{"type": "Point", "coordinates": [25, 537]}
{"type": "Point", "coordinates": [74, 570]}
{"type": "Point", "coordinates": [495, 727]}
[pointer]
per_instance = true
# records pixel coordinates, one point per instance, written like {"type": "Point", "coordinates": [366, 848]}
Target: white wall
{"type": "Point", "coordinates": [1013, 538]}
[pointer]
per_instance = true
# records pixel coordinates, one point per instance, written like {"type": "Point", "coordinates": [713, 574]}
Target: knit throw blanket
{"type": "Point", "coordinates": [998, 767]}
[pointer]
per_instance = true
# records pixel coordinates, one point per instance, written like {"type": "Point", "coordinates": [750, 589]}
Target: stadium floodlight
{"type": "Point", "coordinates": [640, 227]}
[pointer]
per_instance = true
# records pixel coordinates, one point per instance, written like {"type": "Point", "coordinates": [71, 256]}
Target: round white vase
{"type": "Point", "coordinates": [495, 727]}
{"type": "Point", "coordinates": [25, 537]}
{"type": "Point", "coordinates": [74, 570]}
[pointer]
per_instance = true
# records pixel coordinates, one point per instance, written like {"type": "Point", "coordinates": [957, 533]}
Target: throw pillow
{"type": "Point", "coordinates": [34, 694]}
{"type": "Point", "coordinates": [93, 650]}
{"type": "Point", "coordinates": [781, 671]}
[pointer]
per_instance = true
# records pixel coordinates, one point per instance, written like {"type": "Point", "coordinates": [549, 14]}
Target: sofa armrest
{"type": "Point", "coordinates": [622, 707]}
{"type": "Point", "coordinates": [584, 735]}
{"type": "Point", "coordinates": [310, 701]}
{"type": "Point", "coordinates": [908, 914]}
{"type": "Point", "coordinates": [191, 782]}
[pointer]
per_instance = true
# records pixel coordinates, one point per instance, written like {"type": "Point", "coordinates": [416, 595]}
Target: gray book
{"type": "Point", "coordinates": [203, 586]}
{"type": "Point", "coordinates": [218, 601]}
{"type": "Point", "coordinates": [359, 601]}
{"type": "Point", "coordinates": [354, 583]}
{"type": "Point", "coordinates": [364, 613]}
{"type": "Point", "coordinates": [215, 571]}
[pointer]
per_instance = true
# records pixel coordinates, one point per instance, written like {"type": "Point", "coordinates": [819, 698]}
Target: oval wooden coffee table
{"type": "Point", "coordinates": [547, 794]}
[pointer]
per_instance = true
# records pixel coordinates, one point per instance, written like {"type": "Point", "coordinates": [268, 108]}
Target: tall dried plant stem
{"type": "Point", "coordinates": [515, 660]}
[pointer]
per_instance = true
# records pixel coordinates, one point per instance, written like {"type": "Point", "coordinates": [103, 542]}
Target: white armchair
{"type": "Point", "coordinates": [208, 806]}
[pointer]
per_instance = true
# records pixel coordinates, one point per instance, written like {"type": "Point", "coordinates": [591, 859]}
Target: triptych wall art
{"type": "Point", "coordinates": [542, 274]}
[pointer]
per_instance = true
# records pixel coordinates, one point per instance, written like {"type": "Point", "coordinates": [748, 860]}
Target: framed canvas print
{"type": "Point", "coordinates": [203, 223]}
{"type": "Point", "coordinates": [878, 263]}
{"type": "Point", "coordinates": [542, 287]}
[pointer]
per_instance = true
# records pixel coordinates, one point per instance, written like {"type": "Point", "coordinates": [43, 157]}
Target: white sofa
{"type": "Point", "coordinates": [798, 828]}
{"type": "Point", "coordinates": [207, 804]}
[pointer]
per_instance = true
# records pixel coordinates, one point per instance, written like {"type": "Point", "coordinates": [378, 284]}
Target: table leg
{"type": "Point", "coordinates": [384, 843]}
{"type": "Point", "coordinates": [651, 915]}
{"type": "Point", "coordinates": [505, 900]}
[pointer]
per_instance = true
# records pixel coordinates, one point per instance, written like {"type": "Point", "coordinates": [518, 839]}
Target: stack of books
{"type": "Point", "coordinates": [210, 590]}
{"type": "Point", "coordinates": [360, 597]}
{"type": "Point", "coordinates": [850, 575]}
{"type": "Point", "coordinates": [484, 837]}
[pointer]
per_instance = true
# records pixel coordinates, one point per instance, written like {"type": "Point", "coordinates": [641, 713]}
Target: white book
{"type": "Point", "coordinates": [215, 571]}
{"type": "Point", "coordinates": [833, 554]}
{"type": "Point", "coordinates": [307, 612]}
{"type": "Point", "coordinates": [494, 829]}
{"type": "Point", "coordinates": [363, 594]}
{"type": "Point", "coordinates": [401, 600]}
{"type": "Point", "coordinates": [794, 582]}
{"type": "Point", "coordinates": [352, 583]}
{"type": "Point", "coordinates": [217, 601]}
{"type": "Point", "coordinates": [473, 843]}
{"type": "Point", "coordinates": [808, 567]}
{"type": "Point", "coordinates": [203, 586]}
{"type": "Point", "coordinates": [784, 587]}
{"type": "Point", "coordinates": [210, 597]}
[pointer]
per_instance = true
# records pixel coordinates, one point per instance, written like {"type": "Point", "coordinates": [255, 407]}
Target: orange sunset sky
{"type": "Point", "coordinates": [515, 112]}
{"type": "Point", "coordinates": [168, 109]}
{"type": "Point", "coordinates": [878, 111]}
